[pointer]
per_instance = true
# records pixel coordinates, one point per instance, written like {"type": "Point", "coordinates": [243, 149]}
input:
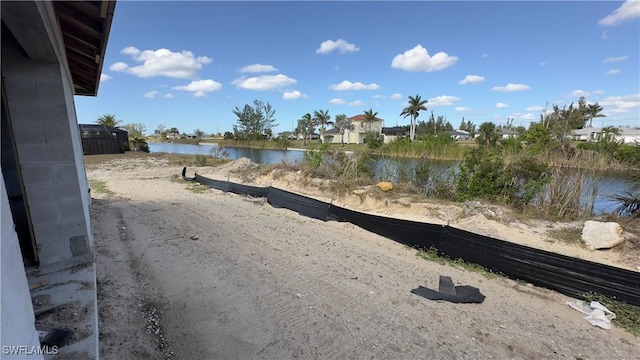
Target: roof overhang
{"type": "Point", "coordinates": [85, 27]}
{"type": "Point", "coordinates": [52, 31]}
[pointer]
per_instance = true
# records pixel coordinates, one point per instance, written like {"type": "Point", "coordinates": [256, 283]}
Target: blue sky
{"type": "Point", "coordinates": [188, 64]}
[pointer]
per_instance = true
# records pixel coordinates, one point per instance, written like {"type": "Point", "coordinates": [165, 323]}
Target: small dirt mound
{"type": "Point", "coordinates": [238, 165]}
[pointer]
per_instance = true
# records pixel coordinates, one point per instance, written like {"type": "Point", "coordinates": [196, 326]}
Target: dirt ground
{"type": "Point", "coordinates": [190, 273]}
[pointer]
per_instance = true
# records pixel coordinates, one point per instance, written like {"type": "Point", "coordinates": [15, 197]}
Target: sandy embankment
{"type": "Point", "coordinates": [206, 274]}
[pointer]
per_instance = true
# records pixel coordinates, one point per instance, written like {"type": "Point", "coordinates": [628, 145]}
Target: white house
{"type": "Point", "coordinates": [360, 129]}
{"type": "Point", "coordinates": [583, 134]}
{"type": "Point", "coordinates": [51, 51]}
{"type": "Point", "coordinates": [629, 135]}
{"type": "Point", "coordinates": [508, 134]}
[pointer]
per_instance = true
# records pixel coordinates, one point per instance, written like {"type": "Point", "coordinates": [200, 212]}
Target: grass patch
{"type": "Point", "coordinates": [192, 186]}
{"type": "Point", "coordinates": [569, 235]}
{"type": "Point", "coordinates": [431, 254]}
{"type": "Point", "coordinates": [627, 316]}
{"type": "Point", "coordinates": [100, 187]}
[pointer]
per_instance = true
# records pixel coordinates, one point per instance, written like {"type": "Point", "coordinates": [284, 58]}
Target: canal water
{"type": "Point", "coordinates": [385, 168]}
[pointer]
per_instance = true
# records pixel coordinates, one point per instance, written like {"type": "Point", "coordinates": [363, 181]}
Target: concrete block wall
{"type": "Point", "coordinates": [49, 150]}
{"type": "Point", "coordinates": [17, 320]}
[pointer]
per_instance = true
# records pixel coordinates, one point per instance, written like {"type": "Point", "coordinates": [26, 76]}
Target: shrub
{"type": "Point", "coordinates": [628, 154]}
{"type": "Point", "coordinates": [201, 160]}
{"type": "Point", "coordinates": [373, 140]}
{"type": "Point", "coordinates": [218, 152]}
{"type": "Point", "coordinates": [313, 158]}
{"type": "Point", "coordinates": [484, 175]}
{"type": "Point", "coordinates": [481, 175]}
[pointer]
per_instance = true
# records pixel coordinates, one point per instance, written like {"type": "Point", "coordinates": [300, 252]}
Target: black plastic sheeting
{"type": "Point", "coordinates": [567, 275]}
{"type": "Point", "coordinates": [463, 294]}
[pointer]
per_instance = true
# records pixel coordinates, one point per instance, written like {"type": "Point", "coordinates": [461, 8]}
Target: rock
{"type": "Point", "coordinates": [385, 186]}
{"type": "Point", "coordinates": [601, 235]}
{"type": "Point", "coordinates": [471, 208]}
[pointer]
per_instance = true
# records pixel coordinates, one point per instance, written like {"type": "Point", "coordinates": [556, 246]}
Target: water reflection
{"type": "Point", "coordinates": [394, 169]}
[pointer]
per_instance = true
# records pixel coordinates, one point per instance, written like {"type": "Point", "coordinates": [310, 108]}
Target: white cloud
{"type": "Point", "coordinates": [357, 103]}
{"type": "Point", "coordinates": [544, 63]}
{"type": "Point", "coordinates": [200, 87]}
{"type": "Point", "coordinates": [264, 82]}
{"type": "Point", "coordinates": [396, 96]}
{"type": "Point", "coordinates": [535, 108]}
{"type": "Point", "coordinates": [526, 116]}
{"type": "Point", "coordinates": [615, 59]}
{"type": "Point", "coordinates": [471, 79]}
{"type": "Point", "coordinates": [105, 77]}
{"type": "Point", "coordinates": [444, 100]}
{"type": "Point", "coordinates": [341, 45]}
{"type": "Point", "coordinates": [348, 85]}
{"type": "Point", "coordinates": [150, 94]}
{"type": "Point", "coordinates": [579, 93]}
{"type": "Point", "coordinates": [630, 9]}
{"type": "Point", "coordinates": [596, 92]}
{"type": "Point", "coordinates": [511, 87]}
{"type": "Point", "coordinates": [379, 97]}
{"type": "Point", "coordinates": [292, 95]}
{"type": "Point", "coordinates": [613, 72]}
{"type": "Point", "coordinates": [620, 104]}
{"type": "Point", "coordinates": [161, 62]}
{"type": "Point", "coordinates": [257, 68]}
{"type": "Point", "coordinates": [502, 105]}
{"type": "Point", "coordinates": [169, 95]}
{"type": "Point", "coordinates": [119, 66]}
{"type": "Point", "coordinates": [462, 109]}
{"type": "Point", "coordinates": [484, 56]}
{"type": "Point", "coordinates": [336, 101]}
{"type": "Point", "coordinates": [418, 59]}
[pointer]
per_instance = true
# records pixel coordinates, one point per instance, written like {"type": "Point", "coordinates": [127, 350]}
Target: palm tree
{"type": "Point", "coordinates": [321, 118]}
{"type": "Point", "coordinates": [343, 124]}
{"type": "Point", "coordinates": [370, 117]}
{"type": "Point", "coordinates": [108, 120]}
{"type": "Point", "coordinates": [489, 134]}
{"type": "Point", "coordinates": [306, 126]}
{"type": "Point", "coordinates": [416, 104]}
{"type": "Point", "coordinates": [593, 111]}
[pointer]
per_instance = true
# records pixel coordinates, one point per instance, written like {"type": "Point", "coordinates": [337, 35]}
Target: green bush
{"type": "Point", "coordinates": [373, 140]}
{"type": "Point", "coordinates": [628, 154]}
{"type": "Point", "coordinates": [313, 158]}
{"type": "Point", "coordinates": [201, 160]}
{"type": "Point", "coordinates": [283, 142]}
{"type": "Point", "coordinates": [484, 175]}
{"type": "Point", "coordinates": [481, 175]}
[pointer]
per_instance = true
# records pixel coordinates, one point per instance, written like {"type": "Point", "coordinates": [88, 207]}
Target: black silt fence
{"type": "Point", "coordinates": [303, 205]}
{"type": "Point", "coordinates": [567, 275]}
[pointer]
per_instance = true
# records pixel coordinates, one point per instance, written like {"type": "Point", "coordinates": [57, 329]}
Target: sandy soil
{"type": "Point", "coordinates": [189, 273]}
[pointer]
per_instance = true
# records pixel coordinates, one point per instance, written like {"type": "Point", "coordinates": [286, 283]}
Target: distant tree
{"type": "Point", "coordinates": [434, 126]}
{"type": "Point", "coordinates": [416, 104]}
{"type": "Point", "coordinates": [489, 134]}
{"type": "Point", "coordinates": [135, 130]}
{"type": "Point", "coordinates": [343, 124]}
{"type": "Point", "coordinates": [254, 121]}
{"type": "Point", "coordinates": [370, 117]}
{"type": "Point", "coordinates": [199, 134]}
{"type": "Point", "coordinates": [593, 111]}
{"type": "Point", "coordinates": [306, 126]}
{"type": "Point", "coordinates": [160, 131]}
{"type": "Point", "coordinates": [174, 131]}
{"type": "Point", "coordinates": [228, 135]}
{"type": "Point", "coordinates": [108, 120]}
{"type": "Point", "coordinates": [322, 118]}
